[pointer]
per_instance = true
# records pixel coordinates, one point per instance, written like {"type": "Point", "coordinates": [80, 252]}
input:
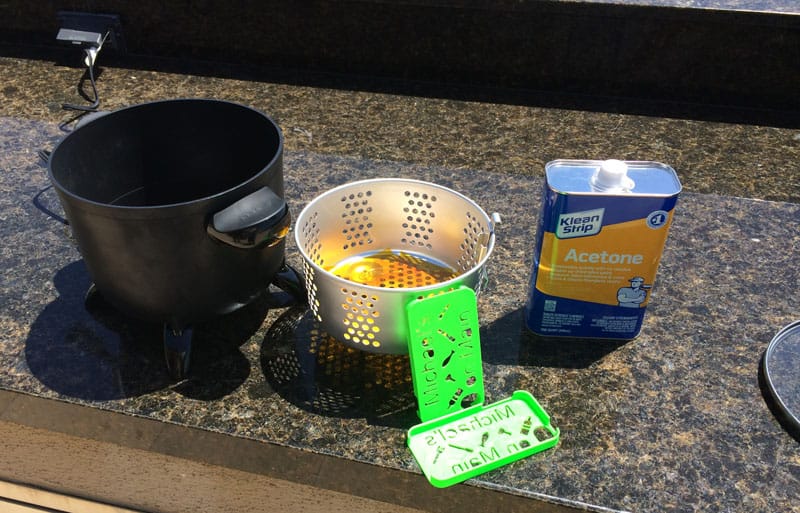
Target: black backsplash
{"type": "Point", "coordinates": [563, 51]}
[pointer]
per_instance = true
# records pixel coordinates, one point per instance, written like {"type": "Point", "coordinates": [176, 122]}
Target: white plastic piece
{"type": "Point", "coordinates": [91, 56]}
{"type": "Point", "coordinates": [612, 176]}
{"type": "Point", "coordinates": [93, 50]}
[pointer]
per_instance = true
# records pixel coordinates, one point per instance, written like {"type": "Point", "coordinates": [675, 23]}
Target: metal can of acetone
{"type": "Point", "coordinates": [602, 230]}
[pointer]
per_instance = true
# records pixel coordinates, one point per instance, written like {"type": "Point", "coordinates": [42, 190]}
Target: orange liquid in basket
{"type": "Point", "coordinates": [393, 269]}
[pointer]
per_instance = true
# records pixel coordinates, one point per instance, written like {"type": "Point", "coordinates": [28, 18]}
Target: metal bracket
{"type": "Point", "coordinates": [91, 30]}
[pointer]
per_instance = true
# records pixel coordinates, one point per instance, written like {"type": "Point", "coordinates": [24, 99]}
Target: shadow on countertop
{"type": "Point", "coordinates": [83, 348]}
{"type": "Point", "coordinates": [507, 341]}
{"type": "Point", "coordinates": [321, 375]}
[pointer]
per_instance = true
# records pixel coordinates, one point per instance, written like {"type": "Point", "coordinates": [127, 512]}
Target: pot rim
{"type": "Point", "coordinates": [165, 208]}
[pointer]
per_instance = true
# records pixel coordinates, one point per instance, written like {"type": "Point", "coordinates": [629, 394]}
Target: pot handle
{"type": "Point", "coordinates": [259, 219]}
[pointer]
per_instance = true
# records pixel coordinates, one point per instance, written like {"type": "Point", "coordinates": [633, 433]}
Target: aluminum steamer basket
{"type": "Point", "coordinates": [411, 219]}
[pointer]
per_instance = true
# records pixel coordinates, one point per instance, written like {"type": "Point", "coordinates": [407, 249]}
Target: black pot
{"type": "Point", "coordinates": [178, 210]}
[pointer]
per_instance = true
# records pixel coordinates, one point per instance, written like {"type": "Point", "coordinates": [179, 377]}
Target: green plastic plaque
{"type": "Point", "coordinates": [445, 352]}
{"type": "Point", "coordinates": [478, 439]}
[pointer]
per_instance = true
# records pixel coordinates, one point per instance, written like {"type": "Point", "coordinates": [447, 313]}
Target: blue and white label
{"type": "Point", "coordinates": [657, 219]}
{"type": "Point", "coordinates": [580, 224]}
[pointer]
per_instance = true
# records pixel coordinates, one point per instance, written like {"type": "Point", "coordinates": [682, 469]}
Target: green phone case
{"type": "Point", "coordinates": [467, 443]}
{"type": "Point", "coordinates": [445, 352]}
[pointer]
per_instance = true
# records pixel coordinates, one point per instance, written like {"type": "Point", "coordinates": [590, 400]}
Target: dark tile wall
{"type": "Point", "coordinates": [740, 59]}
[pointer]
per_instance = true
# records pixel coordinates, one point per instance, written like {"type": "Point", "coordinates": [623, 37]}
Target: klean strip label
{"type": "Point", "coordinates": [579, 224]}
{"type": "Point", "coordinates": [599, 268]}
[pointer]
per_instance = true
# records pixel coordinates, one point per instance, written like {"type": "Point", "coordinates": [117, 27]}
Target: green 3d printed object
{"type": "Point", "coordinates": [467, 443]}
{"type": "Point", "coordinates": [445, 352]}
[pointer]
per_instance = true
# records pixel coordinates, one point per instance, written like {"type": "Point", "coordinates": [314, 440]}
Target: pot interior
{"type": "Point", "coordinates": [164, 153]}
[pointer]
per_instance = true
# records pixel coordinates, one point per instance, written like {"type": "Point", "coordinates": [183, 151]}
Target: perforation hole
{"type": "Point", "coordinates": [471, 245]}
{"type": "Point", "coordinates": [360, 318]}
{"type": "Point", "coordinates": [541, 434]}
{"type": "Point", "coordinates": [419, 212]}
{"type": "Point", "coordinates": [468, 400]}
{"type": "Point", "coordinates": [355, 215]}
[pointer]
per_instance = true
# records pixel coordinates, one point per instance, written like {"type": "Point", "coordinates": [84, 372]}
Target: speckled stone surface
{"type": "Point", "coordinates": [748, 160]}
{"type": "Point", "coordinates": [672, 421]}
{"type": "Point", "coordinates": [733, 5]}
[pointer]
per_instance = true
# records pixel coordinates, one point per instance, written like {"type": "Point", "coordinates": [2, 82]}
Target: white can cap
{"type": "Point", "coordinates": [612, 176]}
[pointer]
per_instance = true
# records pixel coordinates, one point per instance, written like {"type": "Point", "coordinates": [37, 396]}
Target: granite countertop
{"type": "Point", "coordinates": [672, 421]}
{"type": "Point", "coordinates": [731, 5]}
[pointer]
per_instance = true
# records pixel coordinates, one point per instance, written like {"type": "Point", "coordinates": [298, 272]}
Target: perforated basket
{"type": "Point", "coordinates": [415, 218]}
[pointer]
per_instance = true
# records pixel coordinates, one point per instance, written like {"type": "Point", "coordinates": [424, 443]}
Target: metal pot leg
{"type": "Point", "coordinates": [291, 281]}
{"type": "Point", "coordinates": [177, 351]}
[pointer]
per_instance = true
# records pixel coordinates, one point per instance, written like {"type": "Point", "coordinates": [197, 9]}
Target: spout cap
{"type": "Point", "coordinates": [612, 176]}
